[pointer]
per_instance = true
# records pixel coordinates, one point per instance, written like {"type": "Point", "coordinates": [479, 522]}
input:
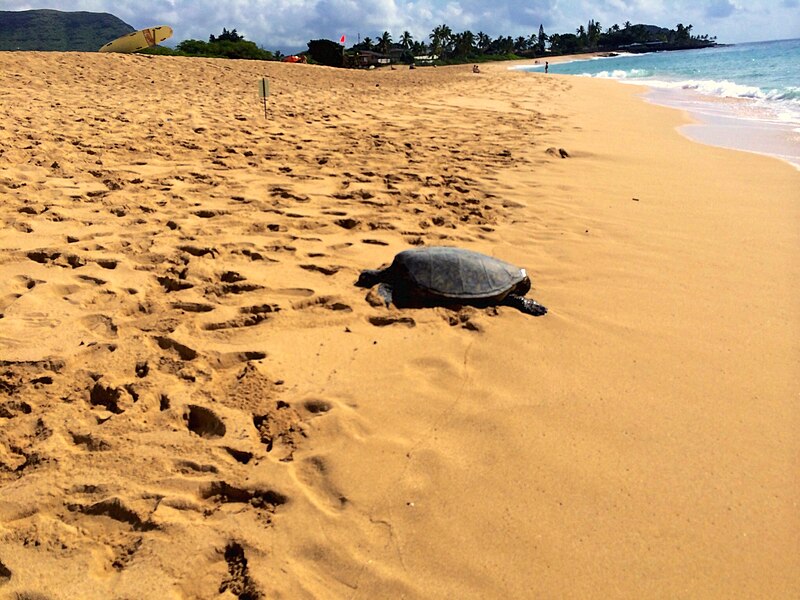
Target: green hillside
{"type": "Point", "coordinates": [56, 30]}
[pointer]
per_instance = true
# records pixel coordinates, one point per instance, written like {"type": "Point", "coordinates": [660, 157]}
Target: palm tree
{"type": "Point", "coordinates": [367, 43]}
{"type": "Point", "coordinates": [581, 31]}
{"type": "Point", "coordinates": [464, 43]}
{"type": "Point", "coordinates": [484, 41]}
{"type": "Point", "coordinates": [504, 44]}
{"type": "Point", "coordinates": [440, 38]}
{"type": "Point", "coordinates": [406, 40]}
{"type": "Point", "coordinates": [385, 42]}
{"type": "Point", "coordinates": [593, 33]}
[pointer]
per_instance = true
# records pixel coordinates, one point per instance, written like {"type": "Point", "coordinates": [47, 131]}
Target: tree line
{"type": "Point", "coordinates": [229, 44]}
{"type": "Point", "coordinates": [446, 44]}
{"type": "Point", "coordinates": [454, 47]}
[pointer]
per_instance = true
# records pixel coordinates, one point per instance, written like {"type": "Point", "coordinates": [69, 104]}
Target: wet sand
{"type": "Point", "coordinates": [196, 402]}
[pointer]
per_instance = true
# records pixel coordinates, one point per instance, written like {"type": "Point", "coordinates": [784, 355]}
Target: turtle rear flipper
{"type": "Point", "coordinates": [526, 305]}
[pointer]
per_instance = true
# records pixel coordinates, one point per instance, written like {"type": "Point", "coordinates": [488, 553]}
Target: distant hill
{"type": "Point", "coordinates": [56, 30]}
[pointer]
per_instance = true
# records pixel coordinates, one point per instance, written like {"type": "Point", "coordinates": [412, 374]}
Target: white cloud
{"type": "Point", "coordinates": [289, 24]}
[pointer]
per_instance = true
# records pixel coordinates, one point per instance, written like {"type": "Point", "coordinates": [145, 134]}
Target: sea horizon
{"type": "Point", "coordinates": [742, 96]}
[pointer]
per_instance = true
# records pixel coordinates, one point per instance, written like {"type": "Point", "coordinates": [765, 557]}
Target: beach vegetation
{"type": "Point", "coordinates": [229, 44]}
{"type": "Point", "coordinates": [327, 52]}
{"type": "Point", "coordinates": [541, 40]}
{"type": "Point", "coordinates": [449, 47]}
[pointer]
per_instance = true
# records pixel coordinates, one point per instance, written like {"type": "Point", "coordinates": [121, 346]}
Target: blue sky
{"type": "Point", "coordinates": [288, 24]}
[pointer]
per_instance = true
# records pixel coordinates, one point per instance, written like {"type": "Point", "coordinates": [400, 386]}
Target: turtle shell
{"type": "Point", "coordinates": [456, 273]}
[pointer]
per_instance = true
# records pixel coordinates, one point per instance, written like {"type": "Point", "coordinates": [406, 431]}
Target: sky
{"type": "Point", "coordinates": [287, 25]}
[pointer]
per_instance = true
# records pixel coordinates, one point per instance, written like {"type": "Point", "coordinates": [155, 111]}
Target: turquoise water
{"type": "Point", "coordinates": [744, 96]}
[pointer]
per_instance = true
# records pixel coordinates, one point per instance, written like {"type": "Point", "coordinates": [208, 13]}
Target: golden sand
{"type": "Point", "coordinates": [196, 402]}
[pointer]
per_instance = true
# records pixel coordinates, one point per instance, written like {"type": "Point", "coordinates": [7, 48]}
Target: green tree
{"type": "Point", "coordinates": [582, 38]}
{"type": "Point", "coordinates": [440, 39]}
{"type": "Point", "coordinates": [326, 52]}
{"type": "Point", "coordinates": [406, 40]}
{"type": "Point", "coordinates": [593, 33]}
{"type": "Point", "coordinates": [502, 45]}
{"type": "Point", "coordinates": [542, 39]}
{"type": "Point", "coordinates": [194, 47]}
{"type": "Point", "coordinates": [385, 42]}
{"type": "Point", "coordinates": [483, 42]}
{"type": "Point", "coordinates": [464, 43]}
{"type": "Point", "coordinates": [682, 33]}
{"type": "Point", "coordinates": [226, 36]}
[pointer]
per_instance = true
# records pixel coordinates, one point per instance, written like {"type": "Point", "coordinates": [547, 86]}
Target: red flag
{"type": "Point", "coordinates": [341, 41]}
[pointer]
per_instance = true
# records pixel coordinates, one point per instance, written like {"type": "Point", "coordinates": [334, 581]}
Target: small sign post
{"type": "Point", "coordinates": [263, 92]}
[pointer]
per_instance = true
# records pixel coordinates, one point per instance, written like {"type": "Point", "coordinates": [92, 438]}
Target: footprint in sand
{"type": "Point", "coordinates": [43, 256]}
{"type": "Point", "coordinates": [5, 574]}
{"type": "Point", "coordinates": [317, 406]}
{"type": "Point", "coordinates": [171, 284]}
{"type": "Point", "coordinates": [199, 251]}
{"type": "Point", "coordinates": [281, 423]}
{"type": "Point", "coordinates": [114, 508]}
{"type": "Point", "coordinates": [184, 352]}
{"type": "Point", "coordinates": [241, 456]}
{"type": "Point", "coordinates": [194, 307]}
{"type": "Point", "coordinates": [238, 581]}
{"type": "Point", "coordinates": [347, 223]}
{"type": "Point", "coordinates": [91, 443]}
{"type": "Point", "coordinates": [225, 493]}
{"type": "Point", "coordinates": [325, 302]}
{"type": "Point", "coordinates": [331, 270]}
{"type": "Point", "coordinates": [204, 422]}
{"type": "Point", "coordinates": [251, 316]}
{"type": "Point", "coordinates": [386, 321]}
{"type": "Point", "coordinates": [114, 399]}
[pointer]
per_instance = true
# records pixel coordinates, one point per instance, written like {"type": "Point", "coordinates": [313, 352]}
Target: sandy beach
{"type": "Point", "coordinates": [197, 402]}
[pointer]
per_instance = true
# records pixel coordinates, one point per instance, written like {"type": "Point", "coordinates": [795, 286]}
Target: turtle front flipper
{"type": "Point", "coordinates": [526, 305]}
{"type": "Point", "coordinates": [385, 292]}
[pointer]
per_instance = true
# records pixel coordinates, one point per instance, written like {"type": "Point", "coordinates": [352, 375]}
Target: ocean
{"type": "Point", "coordinates": [743, 96]}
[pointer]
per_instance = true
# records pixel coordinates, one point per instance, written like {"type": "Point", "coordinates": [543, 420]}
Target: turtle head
{"type": "Point", "coordinates": [370, 277]}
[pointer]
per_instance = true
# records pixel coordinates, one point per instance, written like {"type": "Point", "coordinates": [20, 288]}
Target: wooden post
{"type": "Point", "coordinates": [263, 91]}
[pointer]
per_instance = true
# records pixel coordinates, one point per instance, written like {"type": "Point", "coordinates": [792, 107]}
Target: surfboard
{"type": "Point", "coordinates": [139, 40]}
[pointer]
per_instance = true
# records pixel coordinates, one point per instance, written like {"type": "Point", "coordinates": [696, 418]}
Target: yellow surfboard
{"type": "Point", "coordinates": [139, 40]}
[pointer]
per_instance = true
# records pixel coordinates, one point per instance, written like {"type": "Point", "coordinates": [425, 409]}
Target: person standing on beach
{"type": "Point", "coordinates": [546, 66]}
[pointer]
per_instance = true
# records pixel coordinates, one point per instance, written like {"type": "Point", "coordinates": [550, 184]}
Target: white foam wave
{"type": "Point", "coordinates": [708, 87]}
{"type": "Point", "coordinates": [621, 74]}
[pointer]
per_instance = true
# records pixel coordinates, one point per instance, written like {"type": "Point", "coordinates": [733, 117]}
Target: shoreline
{"type": "Point", "coordinates": [716, 126]}
{"type": "Point", "coordinates": [196, 401]}
{"type": "Point", "coordinates": [738, 123]}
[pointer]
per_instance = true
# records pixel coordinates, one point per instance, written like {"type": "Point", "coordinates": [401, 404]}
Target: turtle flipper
{"type": "Point", "coordinates": [526, 305]}
{"type": "Point", "coordinates": [385, 292]}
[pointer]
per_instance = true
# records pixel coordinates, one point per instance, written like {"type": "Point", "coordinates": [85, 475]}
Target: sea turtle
{"type": "Point", "coordinates": [434, 276]}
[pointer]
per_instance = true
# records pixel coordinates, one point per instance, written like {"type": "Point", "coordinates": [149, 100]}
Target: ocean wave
{"type": "Point", "coordinates": [708, 87]}
{"type": "Point", "coordinates": [621, 74]}
{"type": "Point", "coordinates": [731, 89]}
